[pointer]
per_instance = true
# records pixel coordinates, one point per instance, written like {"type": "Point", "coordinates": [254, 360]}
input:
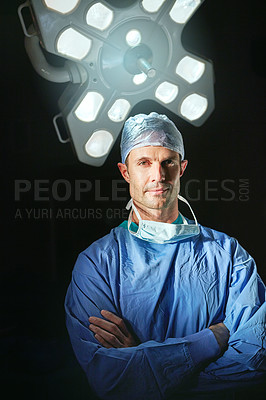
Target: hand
{"type": "Point", "coordinates": [221, 334]}
{"type": "Point", "coordinates": [113, 334]}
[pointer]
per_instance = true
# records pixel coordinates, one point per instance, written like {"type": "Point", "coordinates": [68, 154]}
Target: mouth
{"type": "Point", "coordinates": [157, 191]}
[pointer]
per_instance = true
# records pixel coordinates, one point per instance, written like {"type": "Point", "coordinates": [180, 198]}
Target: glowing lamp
{"type": "Point", "coordinates": [116, 55]}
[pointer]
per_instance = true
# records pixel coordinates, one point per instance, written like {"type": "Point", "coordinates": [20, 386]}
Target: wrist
{"type": "Point", "coordinates": [203, 346]}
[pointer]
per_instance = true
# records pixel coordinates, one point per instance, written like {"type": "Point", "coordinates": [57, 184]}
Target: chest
{"type": "Point", "coordinates": [169, 295]}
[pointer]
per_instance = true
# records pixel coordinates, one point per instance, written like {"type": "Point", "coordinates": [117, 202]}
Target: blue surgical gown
{"type": "Point", "coordinates": [169, 294]}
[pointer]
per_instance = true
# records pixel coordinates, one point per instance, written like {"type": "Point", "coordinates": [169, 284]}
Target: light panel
{"type": "Point", "coordinates": [99, 16]}
{"type": "Point", "coordinates": [119, 110]}
{"type": "Point", "coordinates": [183, 9]}
{"type": "Point", "coordinates": [133, 37]}
{"type": "Point", "coordinates": [190, 69]}
{"type": "Point", "coordinates": [61, 6]}
{"type": "Point", "coordinates": [152, 6]}
{"type": "Point", "coordinates": [139, 78]}
{"type": "Point", "coordinates": [166, 92]}
{"type": "Point", "coordinates": [99, 144]}
{"type": "Point", "coordinates": [89, 107]}
{"type": "Point", "coordinates": [194, 106]}
{"type": "Point", "coordinates": [73, 44]}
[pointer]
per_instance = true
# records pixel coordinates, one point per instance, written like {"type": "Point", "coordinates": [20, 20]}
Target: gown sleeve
{"type": "Point", "coordinates": [245, 316]}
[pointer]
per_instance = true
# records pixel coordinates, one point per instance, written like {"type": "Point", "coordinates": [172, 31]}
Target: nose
{"type": "Point", "coordinates": [158, 173]}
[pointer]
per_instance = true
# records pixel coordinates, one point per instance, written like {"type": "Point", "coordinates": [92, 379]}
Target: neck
{"type": "Point", "coordinates": [167, 215]}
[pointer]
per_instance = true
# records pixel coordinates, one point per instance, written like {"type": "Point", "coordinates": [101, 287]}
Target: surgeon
{"type": "Point", "coordinates": [162, 307]}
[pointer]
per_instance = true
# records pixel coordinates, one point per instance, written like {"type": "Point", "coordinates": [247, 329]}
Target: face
{"type": "Point", "coordinates": [153, 174]}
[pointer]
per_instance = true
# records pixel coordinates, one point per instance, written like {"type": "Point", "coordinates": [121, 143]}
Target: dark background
{"type": "Point", "coordinates": [38, 253]}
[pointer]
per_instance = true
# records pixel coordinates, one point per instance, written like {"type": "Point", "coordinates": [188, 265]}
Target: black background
{"type": "Point", "coordinates": [38, 254]}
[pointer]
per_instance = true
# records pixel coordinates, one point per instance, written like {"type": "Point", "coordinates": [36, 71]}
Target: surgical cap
{"type": "Point", "coordinates": [150, 130]}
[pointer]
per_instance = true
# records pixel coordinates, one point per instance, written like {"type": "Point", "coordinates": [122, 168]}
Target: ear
{"type": "Point", "coordinates": [184, 164]}
{"type": "Point", "coordinates": [124, 171]}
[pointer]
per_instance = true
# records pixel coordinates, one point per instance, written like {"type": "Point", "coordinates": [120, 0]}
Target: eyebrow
{"type": "Point", "coordinates": [149, 158]}
{"type": "Point", "coordinates": [143, 158]}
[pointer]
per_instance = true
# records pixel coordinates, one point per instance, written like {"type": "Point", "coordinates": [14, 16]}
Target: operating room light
{"type": "Point", "coordinates": [139, 78]}
{"type": "Point", "coordinates": [119, 110]}
{"type": "Point", "coordinates": [89, 107]}
{"type": "Point", "coordinates": [133, 37]}
{"type": "Point", "coordinates": [73, 44]}
{"type": "Point", "coordinates": [183, 9]}
{"type": "Point", "coordinates": [99, 16]}
{"type": "Point", "coordinates": [152, 5]}
{"type": "Point", "coordinates": [62, 6]}
{"type": "Point", "coordinates": [112, 57]}
{"type": "Point", "coordinates": [194, 106]}
{"type": "Point", "coordinates": [166, 92]}
{"type": "Point", "coordinates": [190, 69]}
{"type": "Point", "coordinates": [99, 144]}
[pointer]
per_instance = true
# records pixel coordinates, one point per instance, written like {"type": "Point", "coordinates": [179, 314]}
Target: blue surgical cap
{"type": "Point", "coordinates": [150, 130]}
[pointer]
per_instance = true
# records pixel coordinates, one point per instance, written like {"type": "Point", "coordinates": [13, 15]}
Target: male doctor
{"type": "Point", "coordinates": [162, 307]}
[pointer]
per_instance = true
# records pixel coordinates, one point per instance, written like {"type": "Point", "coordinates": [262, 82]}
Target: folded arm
{"type": "Point", "coordinates": [244, 362]}
{"type": "Point", "coordinates": [149, 370]}
{"type": "Point", "coordinates": [154, 370]}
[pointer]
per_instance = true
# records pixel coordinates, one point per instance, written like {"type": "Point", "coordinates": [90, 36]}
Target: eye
{"type": "Point", "coordinates": [168, 162]}
{"type": "Point", "coordinates": [143, 163]}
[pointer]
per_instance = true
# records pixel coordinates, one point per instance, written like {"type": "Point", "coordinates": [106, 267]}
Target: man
{"type": "Point", "coordinates": [162, 307]}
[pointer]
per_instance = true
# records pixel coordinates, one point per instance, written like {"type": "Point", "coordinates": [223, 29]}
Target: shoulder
{"type": "Point", "coordinates": [223, 243]}
{"type": "Point", "coordinates": [101, 252]}
{"type": "Point", "coordinates": [218, 237]}
{"type": "Point", "coordinates": [109, 242]}
{"type": "Point", "coordinates": [214, 237]}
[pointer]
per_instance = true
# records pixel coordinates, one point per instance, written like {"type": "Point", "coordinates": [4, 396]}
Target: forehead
{"type": "Point", "coordinates": [152, 152]}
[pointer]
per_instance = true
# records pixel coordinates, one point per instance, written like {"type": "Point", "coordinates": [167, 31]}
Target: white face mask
{"type": "Point", "coordinates": [162, 232]}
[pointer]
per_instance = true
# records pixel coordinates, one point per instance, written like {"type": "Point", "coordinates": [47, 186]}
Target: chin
{"type": "Point", "coordinates": [157, 204]}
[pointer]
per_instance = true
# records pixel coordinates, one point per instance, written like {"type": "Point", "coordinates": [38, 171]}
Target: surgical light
{"type": "Point", "coordinates": [139, 78]}
{"type": "Point", "coordinates": [152, 5]}
{"type": "Point", "coordinates": [89, 107]}
{"type": "Point", "coordinates": [119, 110]}
{"type": "Point", "coordinates": [194, 106]}
{"type": "Point", "coordinates": [166, 92]}
{"type": "Point", "coordinates": [99, 144]}
{"type": "Point", "coordinates": [190, 69]}
{"type": "Point", "coordinates": [73, 44]}
{"type": "Point", "coordinates": [99, 16]}
{"type": "Point", "coordinates": [183, 9]}
{"type": "Point", "coordinates": [61, 6]}
{"type": "Point", "coordinates": [133, 37]}
{"type": "Point", "coordinates": [114, 57]}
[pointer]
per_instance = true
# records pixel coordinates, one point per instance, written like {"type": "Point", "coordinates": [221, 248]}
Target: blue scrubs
{"type": "Point", "coordinates": [169, 294]}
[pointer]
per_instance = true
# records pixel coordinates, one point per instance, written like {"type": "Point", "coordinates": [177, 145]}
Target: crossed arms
{"type": "Point", "coordinates": [112, 332]}
{"type": "Point", "coordinates": [116, 363]}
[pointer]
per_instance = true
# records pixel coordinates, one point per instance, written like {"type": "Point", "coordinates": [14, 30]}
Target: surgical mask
{"type": "Point", "coordinates": [162, 232]}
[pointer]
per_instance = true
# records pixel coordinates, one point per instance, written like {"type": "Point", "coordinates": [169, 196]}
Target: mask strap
{"type": "Point", "coordinates": [184, 221]}
{"type": "Point", "coordinates": [131, 205]}
{"type": "Point", "coordinates": [185, 201]}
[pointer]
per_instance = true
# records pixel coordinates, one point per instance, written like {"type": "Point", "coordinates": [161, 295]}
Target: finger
{"type": "Point", "coordinates": [106, 336]}
{"type": "Point", "coordinates": [116, 320]}
{"type": "Point", "coordinates": [107, 326]}
{"type": "Point", "coordinates": [102, 341]}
